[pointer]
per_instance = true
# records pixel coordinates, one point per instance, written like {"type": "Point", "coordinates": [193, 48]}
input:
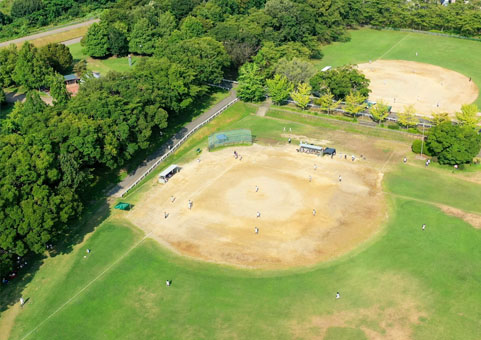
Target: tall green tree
{"type": "Point", "coordinates": [96, 41]}
{"type": "Point", "coordinates": [340, 82]}
{"type": "Point", "coordinates": [31, 69]}
{"type": "Point", "coordinates": [354, 103]}
{"type": "Point", "coordinates": [58, 90]}
{"type": "Point", "coordinates": [8, 61]}
{"type": "Point", "coordinates": [251, 84]}
{"type": "Point", "coordinates": [438, 118]}
{"type": "Point", "coordinates": [296, 70]}
{"type": "Point", "coordinates": [327, 102]}
{"type": "Point", "coordinates": [380, 111]}
{"type": "Point", "coordinates": [58, 56]}
{"type": "Point", "coordinates": [279, 88]}
{"type": "Point", "coordinates": [3, 97]}
{"type": "Point", "coordinates": [302, 95]}
{"type": "Point", "coordinates": [408, 117]}
{"type": "Point", "coordinates": [468, 115]}
{"type": "Point", "coordinates": [453, 144]}
{"type": "Point", "coordinates": [206, 56]}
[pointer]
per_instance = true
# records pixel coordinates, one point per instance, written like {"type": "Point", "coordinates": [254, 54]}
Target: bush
{"type": "Point", "coordinates": [393, 127]}
{"type": "Point", "coordinates": [417, 145]}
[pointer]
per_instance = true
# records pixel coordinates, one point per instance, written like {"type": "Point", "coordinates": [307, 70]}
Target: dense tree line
{"type": "Point", "coordinates": [26, 15]}
{"type": "Point", "coordinates": [50, 154]}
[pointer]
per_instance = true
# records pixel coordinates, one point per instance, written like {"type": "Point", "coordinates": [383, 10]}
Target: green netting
{"type": "Point", "coordinates": [225, 138]}
{"type": "Point", "coordinates": [123, 206]}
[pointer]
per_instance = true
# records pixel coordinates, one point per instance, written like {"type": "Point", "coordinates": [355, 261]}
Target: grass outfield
{"type": "Point", "coordinates": [405, 283]}
{"type": "Point", "coordinates": [366, 44]}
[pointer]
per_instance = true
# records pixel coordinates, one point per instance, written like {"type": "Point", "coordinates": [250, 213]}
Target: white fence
{"type": "Point", "coordinates": [177, 145]}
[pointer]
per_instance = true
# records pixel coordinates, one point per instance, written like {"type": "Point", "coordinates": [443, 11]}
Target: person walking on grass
{"type": "Point", "coordinates": [338, 296]}
{"type": "Point", "coordinates": [313, 212]}
{"type": "Point", "coordinates": [190, 205]}
{"type": "Point", "coordinates": [22, 302]}
{"type": "Point", "coordinates": [256, 230]}
{"type": "Point", "coordinates": [424, 227]}
{"type": "Point", "coordinates": [257, 188]}
{"type": "Point", "coordinates": [258, 214]}
{"type": "Point", "coordinates": [340, 179]}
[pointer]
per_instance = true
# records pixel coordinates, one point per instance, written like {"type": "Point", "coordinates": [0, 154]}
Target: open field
{"type": "Point", "coordinates": [451, 53]}
{"type": "Point", "coordinates": [402, 283]}
{"type": "Point", "coordinates": [102, 65]}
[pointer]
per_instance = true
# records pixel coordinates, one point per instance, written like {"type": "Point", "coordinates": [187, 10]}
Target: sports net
{"type": "Point", "coordinates": [225, 138]}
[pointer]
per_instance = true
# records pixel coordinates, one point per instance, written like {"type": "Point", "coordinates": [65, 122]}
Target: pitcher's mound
{"type": "Point", "coordinates": [429, 88]}
{"type": "Point", "coordinates": [220, 226]}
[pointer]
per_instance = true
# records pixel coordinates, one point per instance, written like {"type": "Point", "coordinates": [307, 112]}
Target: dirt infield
{"type": "Point", "coordinates": [429, 88]}
{"type": "Point", "coordinates": [220, 226]}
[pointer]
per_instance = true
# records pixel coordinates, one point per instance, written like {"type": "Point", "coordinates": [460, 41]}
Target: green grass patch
{"type": "Point", "coordinates": [459, 55]}
{"type": "Point", "coordinates": [118, 64]}
{"type": "Point", "coordinates": [436, 187]}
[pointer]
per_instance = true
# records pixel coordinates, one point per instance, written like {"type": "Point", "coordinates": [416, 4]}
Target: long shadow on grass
{"type": "Point", "coordinates": [93, 216]}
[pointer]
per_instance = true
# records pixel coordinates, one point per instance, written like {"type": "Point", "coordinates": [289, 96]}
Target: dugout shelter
{"type": "Point", "coordinates": [168, 173]}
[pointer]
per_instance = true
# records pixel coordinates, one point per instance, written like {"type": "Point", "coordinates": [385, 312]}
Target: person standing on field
{"type": "Point", "coordinates": [257, 188]}
{"type": "Point", "coordinates": [340, 179]}
{"type": "Point", "coordinates": [256, 230]}
{"type": "Point", "coordinates": [424, 227]}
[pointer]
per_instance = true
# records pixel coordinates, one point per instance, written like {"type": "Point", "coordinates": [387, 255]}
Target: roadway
{"type": "Point", "coordinates": [49, 32]}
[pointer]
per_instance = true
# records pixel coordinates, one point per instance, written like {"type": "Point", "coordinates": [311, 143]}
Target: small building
{"type": "Point", "coordinates": [168, 173]}
{"type": "Point", "coordinates": [71, 79]}
{"type": "Point", "coordinates": [327, 68]}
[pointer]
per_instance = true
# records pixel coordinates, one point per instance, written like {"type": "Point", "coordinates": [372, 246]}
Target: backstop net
{"type": "Point", "coordinates": [233, 137]}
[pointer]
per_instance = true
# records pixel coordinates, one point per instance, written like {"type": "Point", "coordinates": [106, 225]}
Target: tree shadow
{"type": "Point", "coordinates": [11, 292]}
{"type": "Point", "coordinates": [95, 213]}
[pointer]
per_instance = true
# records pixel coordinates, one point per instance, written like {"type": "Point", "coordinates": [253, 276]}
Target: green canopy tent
{"type": "Point", "coordinates": [123, 206]}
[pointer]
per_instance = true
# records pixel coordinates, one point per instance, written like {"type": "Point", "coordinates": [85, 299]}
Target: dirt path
{"type": "Point", "coordinates": [50, 32]}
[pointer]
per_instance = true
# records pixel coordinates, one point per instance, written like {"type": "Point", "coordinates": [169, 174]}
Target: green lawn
{"type": "Point", "coordinates": [102, 65]}
{"type": "Point", "coordinates": [404, 283]}
{"type": "Point", "coordinates": [366, 44]}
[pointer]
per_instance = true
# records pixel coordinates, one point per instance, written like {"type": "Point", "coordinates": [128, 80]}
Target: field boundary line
{"type": "Point", "coordinates": [389, 50]}
{"type": "Point", "coordinates": [86, 286]}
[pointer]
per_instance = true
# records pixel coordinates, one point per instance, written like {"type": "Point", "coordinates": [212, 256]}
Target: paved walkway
{"type": "Point", "coordinates": [71, 41]}
{"type": "Point", "coordinates": [121, 187]}
{"type": "Point", "coordinates": [47, 33]}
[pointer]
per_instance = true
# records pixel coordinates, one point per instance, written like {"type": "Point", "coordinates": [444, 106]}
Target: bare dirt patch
{"type": "Point", "coordinates": [220, 226]}
{"type": "Point", "coordinates": [429, 88]}
{"type": "Point", "coordinates": [473, 219]}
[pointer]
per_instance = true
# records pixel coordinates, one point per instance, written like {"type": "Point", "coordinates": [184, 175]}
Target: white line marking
{"type": "Point", "coordinates": [88, 285]}
{"type": "Point", "coordinates": [393, 46]}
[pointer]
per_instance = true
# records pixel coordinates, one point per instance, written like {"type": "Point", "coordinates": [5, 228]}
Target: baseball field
{"type": "Point", "coordinates": [365, 241]}
{"type": "Point", "coordinates": [434, 73]}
